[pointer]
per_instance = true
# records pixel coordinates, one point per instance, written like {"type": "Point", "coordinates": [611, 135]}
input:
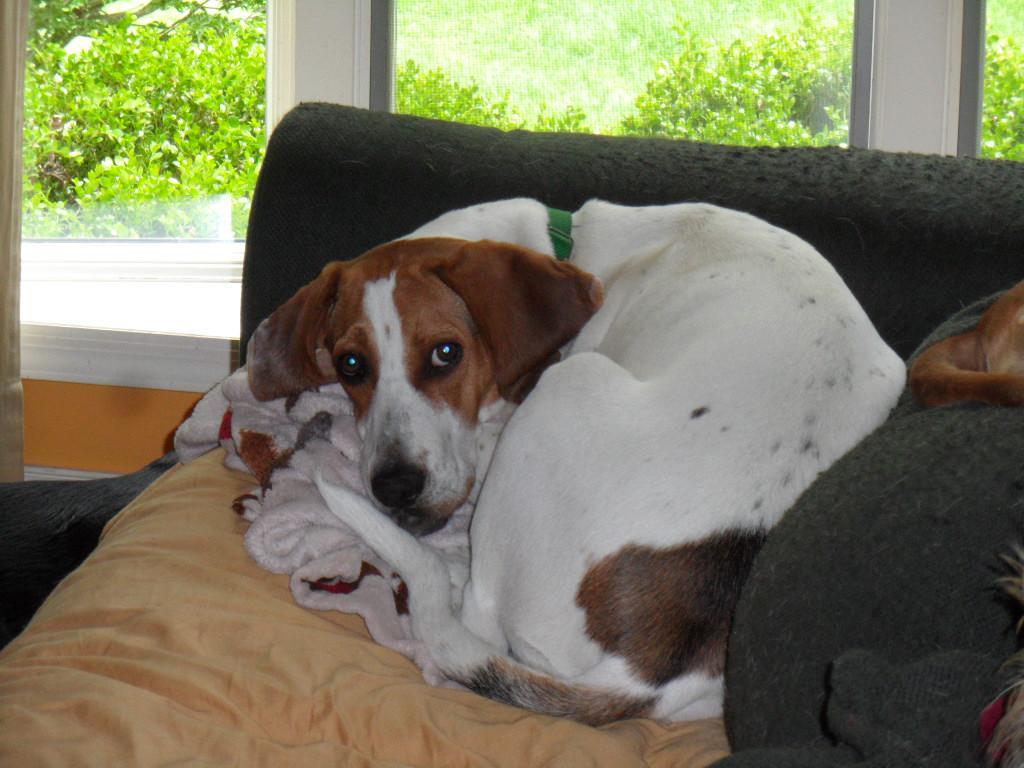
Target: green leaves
{"type": "Point", "coordinates": [778, 89]}
{"type": "Point", "coordinates": [155, 128]}
{"type": "Point", "coordinates": [147, 131]}
{"type": "Point", "coordinates": [435, 94]}
{"type": "Point", "coordinates": [783, 88]}
{"type": "Point", "coordinates": [1002, 125]}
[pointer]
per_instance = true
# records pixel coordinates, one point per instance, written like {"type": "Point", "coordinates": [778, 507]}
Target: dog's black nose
{"type": "Point", "coordinates": [397, 486]}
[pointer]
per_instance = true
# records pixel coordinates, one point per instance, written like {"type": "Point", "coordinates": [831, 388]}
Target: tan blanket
{"type": "Point", "coordinates": [169, 646]}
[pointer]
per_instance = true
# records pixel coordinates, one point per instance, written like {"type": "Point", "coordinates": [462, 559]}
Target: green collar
{"type": "Point", "coordinates": [560, 232]}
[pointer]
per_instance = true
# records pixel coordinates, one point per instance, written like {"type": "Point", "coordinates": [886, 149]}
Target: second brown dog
{"type": "Point", "coordinates": [984, 365]}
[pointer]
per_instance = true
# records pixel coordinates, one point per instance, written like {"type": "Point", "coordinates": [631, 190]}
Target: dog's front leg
{"type": "Point", "coordinates": [423, 570]}
{"type": "Point", "coordinates": [454, 648]}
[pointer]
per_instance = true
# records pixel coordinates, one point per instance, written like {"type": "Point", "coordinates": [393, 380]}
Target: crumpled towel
{"type": "Point", "coordinates": [284, 443]}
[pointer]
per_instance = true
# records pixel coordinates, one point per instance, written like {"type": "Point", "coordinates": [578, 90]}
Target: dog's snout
{"type": "Point", "coordinates": [398, 485]}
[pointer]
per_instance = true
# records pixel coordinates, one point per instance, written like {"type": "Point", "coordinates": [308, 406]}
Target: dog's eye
{"type": "Point", "coordinates": [445, 355]}
{"type": "Point", "coordinates": [352, 367]}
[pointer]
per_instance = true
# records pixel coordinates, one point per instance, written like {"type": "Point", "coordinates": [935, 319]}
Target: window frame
{"type": "Point", "coordinates": [323, 50]}
{"type": "Point", "coordinates": [917, 86]}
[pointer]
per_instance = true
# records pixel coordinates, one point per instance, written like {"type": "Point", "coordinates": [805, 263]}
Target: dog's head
{"type": "Point", "coordinates": [433, 339]}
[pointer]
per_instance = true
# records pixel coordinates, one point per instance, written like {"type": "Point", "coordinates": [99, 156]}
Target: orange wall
{"type": "Point", "coordinates": [100, 428]}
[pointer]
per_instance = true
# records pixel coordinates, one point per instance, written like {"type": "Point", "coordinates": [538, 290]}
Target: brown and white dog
{"type": "Point", "coordinates": [435, 340]}
{"type": "Point", "coordinates": [727, 365]}
{"type": "Point", "coordinates": [984, 365]}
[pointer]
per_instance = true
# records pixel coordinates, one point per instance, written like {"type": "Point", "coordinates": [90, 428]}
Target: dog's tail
{"type": "Point", "coordinates": [484, 669]}
{"type": "Point", "coordinates": [462, 655]}
{"type": "Point", "coordinates": [504, 680]}
{"type": "Point", "coordinates": [947, 372]}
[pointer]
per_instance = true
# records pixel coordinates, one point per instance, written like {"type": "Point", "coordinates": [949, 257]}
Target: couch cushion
{"type": "Point", "coordinates": [169, 646]}
{"type": "Point", "coordinates": [894, 551]}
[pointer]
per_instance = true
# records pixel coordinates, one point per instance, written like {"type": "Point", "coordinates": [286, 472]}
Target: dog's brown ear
{"type": "Point", "coordinates": [286, 354]}
{"type": "Point", "coordinates": [526, 306]}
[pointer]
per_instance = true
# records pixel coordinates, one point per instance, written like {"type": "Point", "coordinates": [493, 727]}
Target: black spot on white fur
{"type": "Point", "coordinates": [808, 446]}
{"type": "Point", "coordinates": [696, 413]}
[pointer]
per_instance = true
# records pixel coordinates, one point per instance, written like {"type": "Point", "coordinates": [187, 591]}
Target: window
{"type": "Point", "coordinates": [749, 72]}
{"type": "Point", "coordinates": [144, 131]}
{"type": "Point", "coordinates": [1002, 132]}
{"type": "Point", "coordinates": [164, 218]}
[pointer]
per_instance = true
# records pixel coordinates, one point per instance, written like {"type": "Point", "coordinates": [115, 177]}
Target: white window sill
{"type": "Point", "coordinates": [153, 314]}
{"type": "Point", "coordinates": [56, 473]}
{"type": "Point", "coordinates": [125, 359]}
{"type": "Point", "coordinates": [191, 288]}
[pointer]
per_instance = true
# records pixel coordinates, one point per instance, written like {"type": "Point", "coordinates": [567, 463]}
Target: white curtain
{"type": "Point", "coordinates": [13, 34]}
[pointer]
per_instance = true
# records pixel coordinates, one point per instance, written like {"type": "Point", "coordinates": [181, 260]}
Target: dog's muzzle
{"type": "Point", "coordinates": [397, 486]}
{"type": "Point", "coordinates": [418, 522]}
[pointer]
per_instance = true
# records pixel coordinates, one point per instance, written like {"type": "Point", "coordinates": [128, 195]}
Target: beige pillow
{"type": "Point", "coordinates": [169, 646]}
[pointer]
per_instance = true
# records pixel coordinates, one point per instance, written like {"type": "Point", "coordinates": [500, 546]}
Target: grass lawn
{"type": "Point", "coordinates": [595, 54]}
{"type": "Point", "coordinates": [1005, 18]}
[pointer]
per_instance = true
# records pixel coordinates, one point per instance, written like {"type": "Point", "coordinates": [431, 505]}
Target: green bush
{"type": "Point", "coordinates": [157, 129]}
{"type": "Point", "coordinates": [1002, 129]}
{"type": "Point", "coordinates": [778, 89]}
{"type": "Point", "coordinates": [120, 135]}
{"type": "Point", "coordinates": [434, 93]}
{"type": "Point", "coordinates": [785, 88]}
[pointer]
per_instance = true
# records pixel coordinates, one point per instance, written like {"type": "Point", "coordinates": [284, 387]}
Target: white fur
{"type": "Point", "coordinates": [728, 366]}
{"type": "Point", "coordinates": [519, 221]}
{"type": "Point", "coordinates": [401, 419]}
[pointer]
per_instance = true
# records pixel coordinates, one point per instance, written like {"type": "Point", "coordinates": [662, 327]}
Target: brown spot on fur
{"type": "Point", "coordinates": [509, 683]}
{"type": "Point", "coordinates": [669, 611]}
{"type": "Point", "coordinates": [524, 304]}
{"type": "Point", "coordinates": [356, 337]}
{"type": "Point", "coordinates": [432, 313]}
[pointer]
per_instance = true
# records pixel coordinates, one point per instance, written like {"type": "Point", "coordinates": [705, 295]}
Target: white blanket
{"type": "Point", "coordinates": [283, 443]}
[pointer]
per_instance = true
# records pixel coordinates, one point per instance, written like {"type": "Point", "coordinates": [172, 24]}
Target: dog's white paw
{"type": "Point", "coordinates": [348, 505]}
